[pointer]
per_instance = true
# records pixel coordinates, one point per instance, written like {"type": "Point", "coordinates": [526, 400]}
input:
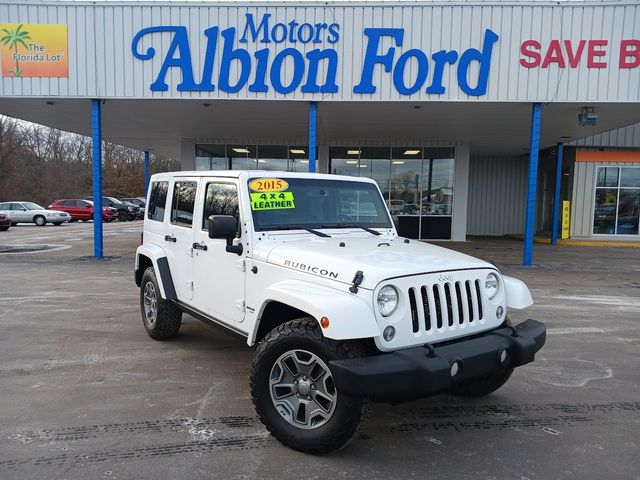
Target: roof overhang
{"type": "Point", "coordinates": [161, 125]}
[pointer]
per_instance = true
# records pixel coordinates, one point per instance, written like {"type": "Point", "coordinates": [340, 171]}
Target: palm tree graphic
{"type": "Point", "coordinates": [11, 40]}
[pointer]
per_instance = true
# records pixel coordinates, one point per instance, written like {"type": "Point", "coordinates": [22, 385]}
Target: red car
{"type": "Point", "coordinates": [83, 209]}
{"type": "Point", "coordinates": [5, 221]}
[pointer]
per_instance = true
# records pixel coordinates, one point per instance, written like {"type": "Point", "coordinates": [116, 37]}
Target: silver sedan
{"type": "Point", "coordinates": [29, 212]}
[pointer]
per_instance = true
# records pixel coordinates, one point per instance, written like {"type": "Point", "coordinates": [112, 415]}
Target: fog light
{"type": "Point", "coordinates": [455, 368]}
{"type": "Point", "coordinates": [505, 355]}
{"type": "Point", "coordinates": [389, 333]}
{"type": "Point", "coordinates": [499, 312]}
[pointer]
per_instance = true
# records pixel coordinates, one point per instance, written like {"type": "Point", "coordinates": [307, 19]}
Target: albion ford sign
{"type": "Point", "coordinates": [288, 69]}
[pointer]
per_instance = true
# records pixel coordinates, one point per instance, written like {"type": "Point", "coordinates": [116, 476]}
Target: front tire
{"type": "Point", "coordinates": [161, 318]}
{"type": "Point", "coordinates": [39, 220]}
{"type": "Point", "coordinates": [123, 216]}
{"type": "Point", "coordinates": [293, 392]}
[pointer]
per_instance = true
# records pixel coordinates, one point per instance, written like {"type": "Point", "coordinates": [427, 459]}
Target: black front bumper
{"type": "Point", "coordinates": [418, 372]}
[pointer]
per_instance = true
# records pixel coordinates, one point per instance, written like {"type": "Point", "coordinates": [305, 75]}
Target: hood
{"type": "Point", "coordinates": [378, 258]}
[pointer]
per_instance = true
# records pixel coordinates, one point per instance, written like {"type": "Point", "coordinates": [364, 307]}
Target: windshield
{"type": "Point", "coordinates": [301, 203]}
{"type": "Point", "coordinates": [32, 206]}
{"type": "Point", "coordinates": [114, 200]}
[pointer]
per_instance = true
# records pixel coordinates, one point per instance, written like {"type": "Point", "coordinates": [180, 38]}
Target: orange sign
{"type": "Point", "coordinates": [33, 50]}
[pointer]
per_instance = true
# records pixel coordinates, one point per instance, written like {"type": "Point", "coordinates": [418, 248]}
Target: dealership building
{"type": "Point", "coordinates": [474, 117]}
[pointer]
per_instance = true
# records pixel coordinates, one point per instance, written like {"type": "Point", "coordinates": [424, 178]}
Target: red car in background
{"type": "Point", "coordinates": [5, 221]}
{"type": "Point", "coordinates": [83, 209]}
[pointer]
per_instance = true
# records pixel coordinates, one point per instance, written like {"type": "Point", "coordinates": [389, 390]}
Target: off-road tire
{"type": "Point", "coordinates": [483, 386]}
{"type": "Point", "coordinates": [350, 413]}
{"type": "Point", "coordinates": [168, 316]}
{"type": "Point", "coordinates": [39, 220]}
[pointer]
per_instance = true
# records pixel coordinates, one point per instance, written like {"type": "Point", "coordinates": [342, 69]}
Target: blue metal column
{"type": "Point", "coordinates": [313, 111]}
{"type": "Point", "coordinates": [556, 196]}
{"type": "Point", "coordinates": [96, 140]}
{"type": "Point", "coordinates": [534, 145]}
{"type": "Point", "coordinates": [146, 172]}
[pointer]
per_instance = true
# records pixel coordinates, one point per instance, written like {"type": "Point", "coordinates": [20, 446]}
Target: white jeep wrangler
{"type": "Point", "coordinates": [342, 311]}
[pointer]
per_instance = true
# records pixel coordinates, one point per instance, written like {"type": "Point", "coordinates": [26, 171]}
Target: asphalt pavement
{"type": "Point", "coordinates": [86, 394]}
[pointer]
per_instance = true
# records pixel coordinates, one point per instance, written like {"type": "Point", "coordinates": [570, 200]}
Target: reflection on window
{"type": "Point", "coordinates": [617, 201]}
{"type": "Point", "coordinates": [221, 199]}
{"type": "Point", "coordinates": [184, 195]}
{"type": "Point", "coordinates": [157, 201]}
{"type": "Point", "coordinates": [292, 158]}
{"type": "Point", "coordinates": [211, 157]}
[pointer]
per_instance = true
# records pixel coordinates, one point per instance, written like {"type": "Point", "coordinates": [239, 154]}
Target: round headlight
{"type": "Point", "coordinates": [387, 300]}
{"type": "Point", "coordinates": [491, 285]}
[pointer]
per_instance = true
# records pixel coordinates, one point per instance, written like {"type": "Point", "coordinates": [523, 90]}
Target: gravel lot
{"type": "Point", "coordinates": [86, 394]}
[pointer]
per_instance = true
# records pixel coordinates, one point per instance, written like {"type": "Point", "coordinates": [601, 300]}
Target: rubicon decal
{"type": "Point", "coordinates": [304, 57]}
{"type": "Point", "coordinates": [310, 268]}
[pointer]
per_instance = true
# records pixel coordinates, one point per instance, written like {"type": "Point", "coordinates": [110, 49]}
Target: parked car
{"type": "Point", "coordinates": [29, 212]}
{"type": "Point", "coordinates": [83, 209]}
{"type": "Point", "coordinates": [125, 212]}
{"type": "Point", "coordinates": [140, 211]}
{"type": "Point", "coordinates": [5, 221]}
{"type": "Point", "coordinates": [137, 201]}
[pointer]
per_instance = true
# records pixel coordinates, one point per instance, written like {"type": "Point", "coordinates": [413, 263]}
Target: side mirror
{"type": "Point", "coordinates": [225, 226]}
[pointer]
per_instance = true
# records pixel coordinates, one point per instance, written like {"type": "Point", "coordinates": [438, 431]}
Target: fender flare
{"type": "Point", "coordinates": [350, 316]}
{"type": "Point", "coordinates": [517, 293]}
{"type": "Point", "coordinates": [160, 264]}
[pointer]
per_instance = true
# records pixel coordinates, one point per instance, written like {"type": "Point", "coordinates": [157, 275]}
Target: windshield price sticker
{"type": "Point", "coordinates": [268, 185]}
{"type": "Point", "coordinates": [272, 201]}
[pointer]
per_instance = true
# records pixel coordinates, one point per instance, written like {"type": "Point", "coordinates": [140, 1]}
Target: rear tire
{"type": "Point", "coordinates": [293, 392]}
{"type": "Point", "coordinates": [57, 224]}
{"type": "Point", "coordinates": [161, 318]}
{"type": "Point", "coordinates": [39, 220]}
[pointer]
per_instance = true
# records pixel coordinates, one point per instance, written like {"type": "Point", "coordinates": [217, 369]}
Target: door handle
{"type": "Point", "coordinates": [170, 238]}
{"type": "Point", "coordinates": [199, 246]}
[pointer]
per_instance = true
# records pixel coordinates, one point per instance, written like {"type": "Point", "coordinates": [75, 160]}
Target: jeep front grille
{"type": "Point", "coordinates": [445, 304]}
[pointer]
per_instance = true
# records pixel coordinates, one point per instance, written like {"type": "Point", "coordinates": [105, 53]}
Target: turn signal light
{"type": "Point", "coordinates": [324, 322]}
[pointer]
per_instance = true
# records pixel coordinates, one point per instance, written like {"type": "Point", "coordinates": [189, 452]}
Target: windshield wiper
{"type": "Point", "coordinates": [315, 232]}
{"type": "Point", "coordinates": [345, 225]}
{"type": "Point", "coordinates": [296, 227]}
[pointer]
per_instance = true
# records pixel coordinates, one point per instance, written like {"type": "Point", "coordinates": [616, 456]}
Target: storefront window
{"type": "Point", "coordinates": [345, 160]}
{"type": "Point", "coordinates": [251, 157]}
{"type": "Point", "coordinates": [211, 157]}
{"type": "Point", "coordinates": [272, 157]}
{"type": "Point", "coordinates": [242, 157]}
{"type": "Point", "coordinates": [299, 158]}
{"type": "Point", "coordinates": [617, 201]}
{"type": "Point", "coordinates": [416, 183]}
